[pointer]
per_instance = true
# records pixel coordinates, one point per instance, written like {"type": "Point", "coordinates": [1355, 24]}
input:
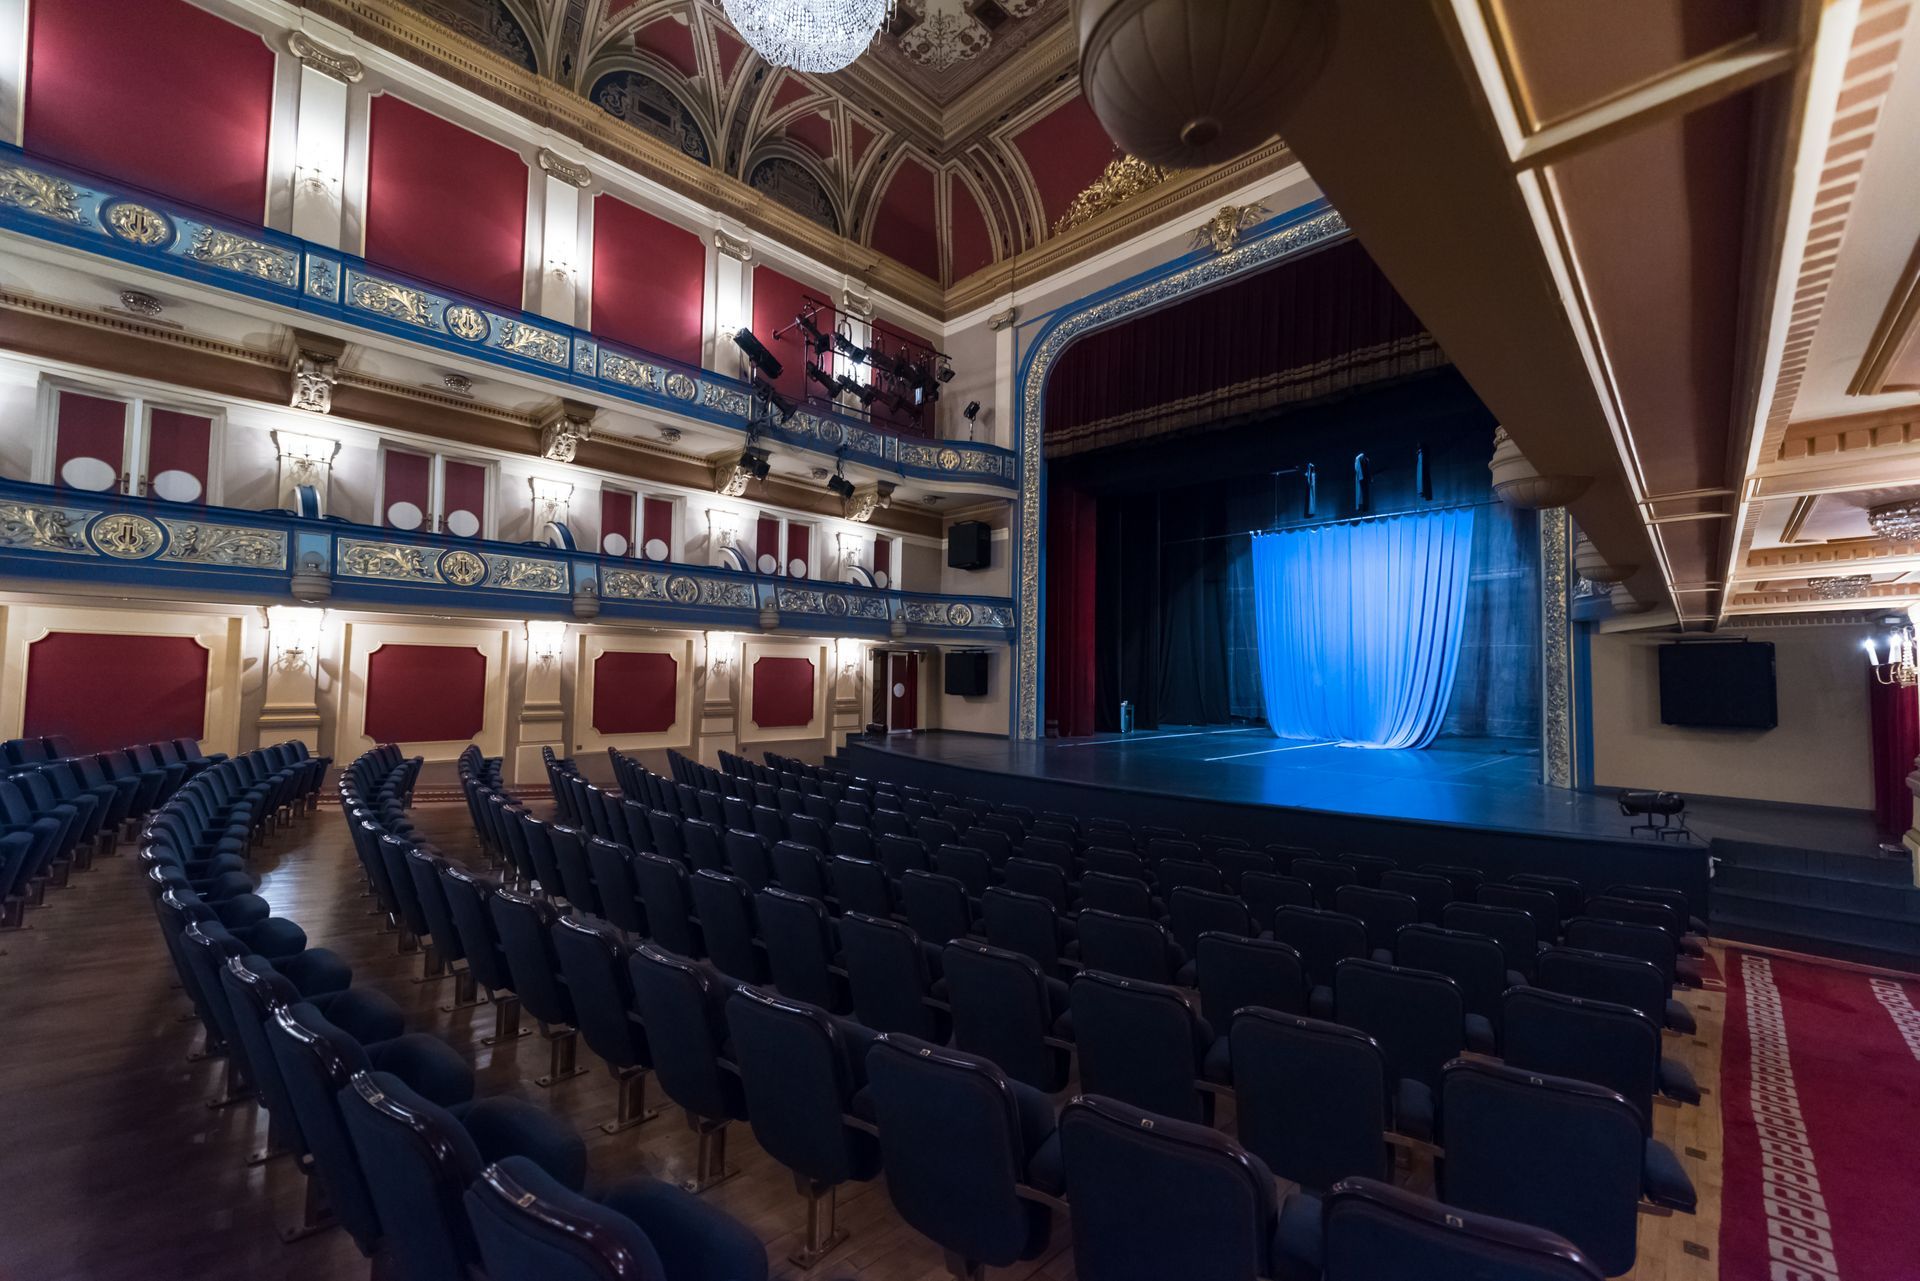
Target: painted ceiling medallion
{"type": "Point", "coordinates": [952, 31]}
{"type": "Point", "coordinates": [809, 35]}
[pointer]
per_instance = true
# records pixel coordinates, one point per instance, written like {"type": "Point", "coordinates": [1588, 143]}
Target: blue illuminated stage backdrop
{"type": "Point", "coordinates": [1358, 625]}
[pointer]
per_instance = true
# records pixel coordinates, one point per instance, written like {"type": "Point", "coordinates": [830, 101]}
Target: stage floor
{"type": "Point", "coordinates": [1469, 782]}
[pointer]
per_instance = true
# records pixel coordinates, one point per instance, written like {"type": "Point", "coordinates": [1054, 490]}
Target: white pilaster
{"type": "Point", "coordinates": [13, 70]}
{"type": "Point", "coordinates": [320, 158]}
{"type": "Point", "coordinates": [560, 249]}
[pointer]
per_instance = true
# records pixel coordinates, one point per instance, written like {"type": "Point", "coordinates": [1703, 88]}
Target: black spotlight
{"type": "Point", "coordinates": [781, 405]}
{"type": "Point", "coordinates": [828, 383]}
{"type": "Point", "coordinates": [862, 392]}
{"type": "Point", "coordinates": [756, 352]}
{"type": "Point", "coordinates": [1362, 483]}
{"type": "Point", "coordinates": [946, 370]}
{"type": "Point", "coordinates": [848, 348]}
{"type": "Point", "coordinates": [818, 338]}
{"type": "Point", "coordinates": [755, 463]}
{"type": "Point", "coordinates": [840, 485]}
{"type": "Point", "coordinates": [1422, 474]}
{"type": "Point", "coordinates": [973, 410]}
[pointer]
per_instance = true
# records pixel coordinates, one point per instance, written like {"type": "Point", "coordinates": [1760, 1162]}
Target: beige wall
{"type": "Point", "coordinates": [1819, 754]}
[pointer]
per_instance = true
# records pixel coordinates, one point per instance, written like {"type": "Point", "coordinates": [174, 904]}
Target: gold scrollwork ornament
{"type": "Point", "coordinates": [137, 224]}
{"type": "Point", "coordinates": [462, 569]}
{"type": "Point", "coordinates": [125, 536]}
{"type": "Point", "coordinates": [466, 322]}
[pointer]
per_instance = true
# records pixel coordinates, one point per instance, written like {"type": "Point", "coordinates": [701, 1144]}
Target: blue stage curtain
{"type": "Point", "coordinates": [1359, 626]}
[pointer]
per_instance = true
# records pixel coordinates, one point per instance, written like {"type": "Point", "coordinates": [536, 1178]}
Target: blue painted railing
{"type": "Point", "coordinates": [51, 533]}
{"type": "Point", "coordinates": [53, 203]}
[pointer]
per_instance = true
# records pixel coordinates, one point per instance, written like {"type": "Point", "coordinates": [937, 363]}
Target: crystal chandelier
{"type": "Point", "coordinates": [808, 35]}
{"type": "Point", "coordinates": [1897, 522]}
{"type": "Point", "coordinates": [1840, 586]}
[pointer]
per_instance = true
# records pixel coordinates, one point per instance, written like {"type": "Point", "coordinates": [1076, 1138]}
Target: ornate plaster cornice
{"type": "Point", "coordinates": [343, 67]}
{"type": "Point", "coordinates": [563, 169]}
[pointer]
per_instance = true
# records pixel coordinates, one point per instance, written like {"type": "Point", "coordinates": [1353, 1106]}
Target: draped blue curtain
{"type": "Point", "coordinates": [1359, 626]}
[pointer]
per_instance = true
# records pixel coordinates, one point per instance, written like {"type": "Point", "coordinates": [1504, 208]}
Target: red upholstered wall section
{"type": "Point", "coordinates": [158, 93]}
{"type": "Point", "coordinates": [782, 692]}
{"type": "Point", "coordinates": [967, 233]}
{"type": "Point", "coordinates": [445, 204]}
{"type": "Point", "coordinates": [905, 221]}
{"type": "Point", "coordinates": [90, 442]}
{"type": "Point", "coordinates": [777, 299]}
{"type": "Point", "coordinates": [648, 280]}
{"type": "Point", "coordinates": [635, 693]}
{"type": "Point", "coordinates": [105, 692]}
{"type": "Point", "coordinates": [425, 693]}
{"type": "Point", "coordinates": [1065, 150]}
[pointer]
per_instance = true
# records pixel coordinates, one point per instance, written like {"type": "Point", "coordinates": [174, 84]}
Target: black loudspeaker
{"type": "Point", "coordinates": [969, 545]}
{"type": "Point", "coordinates": [967, 672]}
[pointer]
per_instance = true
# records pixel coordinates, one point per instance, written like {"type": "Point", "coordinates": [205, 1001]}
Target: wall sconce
{"type": "Point", "coordinates": [1901, 665]}
{"type": "Point", "coordinates": [295, 631]}
{"type": "Point", "coordinates": [546, 637]}
{"type": "Point", "coordinates": [846, 653]}
{"type": "Point", "coordinates": [305, 459]}
{"type": "Point", "coordinates": [720, 652]}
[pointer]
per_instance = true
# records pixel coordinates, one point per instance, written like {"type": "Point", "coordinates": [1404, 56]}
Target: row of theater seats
{"type": "Point", "coordinates": [59, 808]}
{"type": "Point", "coordinates": [419, 1171]}
{"type": "Point", "coordinates": [1316, 1096]}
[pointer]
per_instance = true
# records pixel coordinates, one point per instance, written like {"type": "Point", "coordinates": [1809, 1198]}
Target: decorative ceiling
{"type": "Point", "coordinates": [960, 139]}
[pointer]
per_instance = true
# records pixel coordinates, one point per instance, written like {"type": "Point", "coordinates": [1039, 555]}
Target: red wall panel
{"type": "Point", "coordinates": [616, 522]}
{"type": "Point", "coordinates": [178, 449]}
{"type": "Point", "coordinates": [656, 528]}
{"type": "Point", "coordinates": [967, 232]}
{"type": "Point", "coordinates": [158, 93]}
{"type": "Point", "coordinates": [777, 299]}
{"type": "Point", "coordinates": [465, 499]}
{"type": "Point", "coordinates": [649, 279]}
{"type": "Point", "coordinates": [766, 545]}
{"type": "Point", "coordinates": [904, 224]}
{"type": "Point", "coordinates": [90, 441]}
{"type": "Point", "coordinates": [635, 693]}
{"type": "Point", "coordinates": [425, 693]}
{"type": "Point", "coordinates": [782, 692]}
{"type": "Point", "coordinates": [883, 561]}
{"type": "Point", "coordinates": [105, 692]}
{"type": "Point", "coordinates": [407, 494]}
{"type": "Point", "coordinates": [797, 541]}
{"type": "Point", "coordinates": [1065, 150]}
{"type": "Point", "coordinates": [445, 204]}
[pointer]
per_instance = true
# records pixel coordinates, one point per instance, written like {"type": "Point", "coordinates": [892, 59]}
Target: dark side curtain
{"type": "Point", "coordinates": [1296, 332]}
{"type": "Point", "coordinates": [1895, 712]}
{"type": "Point", "coordinates": [1127, 611]}
{"type": "Point", "coordinates": [1072, 553]}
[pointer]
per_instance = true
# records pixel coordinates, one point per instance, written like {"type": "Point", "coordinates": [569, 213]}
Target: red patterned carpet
{"type": "Point", "coordinates": [1820, 1096]}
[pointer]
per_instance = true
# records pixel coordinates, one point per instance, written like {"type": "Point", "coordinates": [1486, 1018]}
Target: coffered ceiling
{"type": "Point", "coordinates": [959, 139]}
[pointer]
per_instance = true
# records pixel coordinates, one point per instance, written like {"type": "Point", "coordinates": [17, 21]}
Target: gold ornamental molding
{"type": "Point", "coordinates": [343, 67]}
{"type": "Point", "coordinates": [565, 170]}
{"type": "Point", "coordinates": [1119, 182]}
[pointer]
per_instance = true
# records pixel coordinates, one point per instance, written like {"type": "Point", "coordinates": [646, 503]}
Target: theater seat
{"type": "Point", "coordinates": [683, 1005]}
{"type": "Point", "coordinates": [1373, 1231]}
{"type": "Point", "coordinates": [1142, 1043]}
{"type": "Point", "coordinates": [527, 1224]}
{"type": "Point", "coordinates": [1005, 1008]}
{"type": "Point", "coordinates": [1311, 1098]}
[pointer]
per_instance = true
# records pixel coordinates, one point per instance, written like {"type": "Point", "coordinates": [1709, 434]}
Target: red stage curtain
{"type": "Point", "coordinates": [1895, 713]}
{"type": "Point", "coordinates": [1292, 333]}
{"type": "Point", "coordinates": [1071, 559]}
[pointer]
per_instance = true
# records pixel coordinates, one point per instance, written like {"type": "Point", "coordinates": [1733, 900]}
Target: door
{"type": "Point", "coordinates": [903, 693]}
{"type": "Point", "coordinates": [90, 443]}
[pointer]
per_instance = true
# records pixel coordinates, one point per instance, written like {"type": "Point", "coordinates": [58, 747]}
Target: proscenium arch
{"type": "Point", "coordinates": [1310, 226]}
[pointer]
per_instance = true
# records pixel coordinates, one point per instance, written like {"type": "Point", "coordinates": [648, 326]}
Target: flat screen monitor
{"type": "Point", "coordinates": [1718, 685]}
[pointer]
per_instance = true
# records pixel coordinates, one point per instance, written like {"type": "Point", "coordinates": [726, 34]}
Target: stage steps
{"type": "Point", "coordinates": [1851, 906]}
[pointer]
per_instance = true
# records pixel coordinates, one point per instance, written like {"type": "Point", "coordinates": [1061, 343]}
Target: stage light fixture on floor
{"type": "Point", "coordinates": [756, 353]}
{"type": "Point", "coordinates": [1313, 487]}
{"type": "Point", "coordinates": [1422, 474]}
{"type": "Point", "coordinates": [1362, 484]}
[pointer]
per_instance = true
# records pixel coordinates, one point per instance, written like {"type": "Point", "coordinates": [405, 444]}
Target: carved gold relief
{"type": "Point", "coordinates": [125, 536]}
{"type": "Point", "coordinates": [516, 574]}
{"type": "Point", "coordinates": [1119, 182]}
{"type": "Point", "coordinates": [44, 529]}
{"type": "Point", "coordinates": [137, 224]}
{"type": "Point", "coordinates": [1221, 232]}
{"type": "Point", "coordinates": [248, 257]}
{"type": "Point", "coordinates": [39, 193]}
{"type": "Point", "coordinates": [397, 302]}
{"type": "Point", "coordinates": [525, 340]}
{"type": "Point", "coordinates": [386, 560]}
{"type": "Point", "coordinates": [236, 545]}
{"type": "Point", "coordinates": [466, 322]}
{"type": "Point", "coordinates": [462, 569]}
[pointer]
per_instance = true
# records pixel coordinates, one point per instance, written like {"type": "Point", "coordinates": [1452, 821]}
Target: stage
{"type": "Point", "coordinates": [1474, 801]}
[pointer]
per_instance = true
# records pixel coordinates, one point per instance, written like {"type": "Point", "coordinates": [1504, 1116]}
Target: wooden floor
{"type": "Point", "coordinates": [112, 1166]}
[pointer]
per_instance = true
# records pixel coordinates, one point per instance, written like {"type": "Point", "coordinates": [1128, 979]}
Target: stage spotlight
{"type": "Point", "coordinates": [973, 410]}
{"type": "Point", "coordinates": [862, 392]}
{"type": "Point", "coordinates": [1422, 474]}
{"type": "Point", "coordinates": [1313, 485]}
{"type": "Point", "coordinates": [756, 352]}
{"type": "Point", "coordinates": [946, 370]}
{"type": "Point", "coordinates": [850, 349]}
{"type": "Point", "coordinates": [814, 332]}
{"type": "Point", "coordinates": [840, 486]}
{"type": "Point", "coordinates": [765, 390]}
{"type": "Point", "coordinates": [754, 462]}
{"type": "Point", "coordinates": [1362, 483]}
{"type": "Point", "coordinates": [830, 384]}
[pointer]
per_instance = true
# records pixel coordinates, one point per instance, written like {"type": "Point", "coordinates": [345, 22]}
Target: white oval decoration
{"type": "Point", "coordinates": [463, 523]}
{"type": "Point", "coordinates": [615, 544]}
{"type": "Point", "coordinates": [88, 473]}
{"type": "Point", "coordinates": [797, 568]}
{"type": "Point", "coordinates": [656, 549]}
{"type": "Point", "coordinates": [899, 690]}
{"type": "Point", "coordinates": [404, 515]}
{"type": "Point", "coordinates": [768, 564]}
{"type": "Point", "coordinates": [177, 486]}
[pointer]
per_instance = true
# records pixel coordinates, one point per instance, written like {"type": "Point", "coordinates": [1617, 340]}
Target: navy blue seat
{"type": "Point", "coordinates": [1560, 1154]}
{"type": "Point", "coordinates": [1007, 1009]}
{"type": "Point", "coordinates": [1326, 876]}
{"type": "Point", "coordinates": [668, 902]}
{"type": "Point", "coordinates": [1155, 1198]}
{"type": "Point", "coordinates": [1466, 881]}
{"type": "Point", "coordinates": [469, 904]}
{"type": "Point", "coordinates": [800, 869]}
{"type": "Point", "coordinates": [725, 907]}
{"type": "Point", "coordinates": [747, 858]}
{"type": "Point", "coordinates": [1540, 905]}
{"type": "Point", "coordinates": [611, 865]}
{"type": "Point", "coordinates": [1428, 889]}
{"type": "Point", "coordinates": [419, 1158]}
{"type": "Point", "coordinates": [1311, 1098]}
{"type": "Point", "coordinates": [447, 951]}
{"type": "Point", "coordinates": [959, 1141]}
{"type": "Point", "coordinates": [801, 1069]}
{"type": "Point", "coordinates": [527, 1224]}
{"type": "Point", "coordinates": [1043, 880]}
{"type": "Point", "coordinates": [890, 977]}
{"type": "Point", "coordinates": [800, 947]}
{"type": "Point", "coordinates": [1119, 895]}
{"type": "Point", "coordinates": [1369, 868]}
{"type": "Point", "coordinates": [1382, 911]}
{"type": "Point", "coordinates": [576, 872]}
{"type": "Point", "coordinates": [1418, 1018]}
{"type": "Point", "coordinates": [1373, 1231]}
{"type": "Point", "coordinates": [1171, 873]}
{"type": "Point", "coordinates": [1142, 1043]}
{"type": "Point", "coordinates": [683, 1005]}
{"type": "Point", "coordinates": [860, 886]}
{"type": "Point", "coordinates": [901, 854]}
{"type": "Point", "coordinates": [525, 926]}
{"type": "Point", "coordinates": [1129, 946]}
{"type": "Point", "coordinates": [1234, 972]}
{"type": "Point", "coordinates": [1192, 912]}
{"type": "Point", "coordinates": [1567, 892]}
{"type": "Point", "coordinates": [1610, 976]}
{"type": "Point", "coordinates": [1323, 939]}
{"type": "Point", "coordinates": [1476, 964]}
{"type": "Point", "coordinates": [1024, 923]}
{"type": "Point", "coordinates": [935, 906]}
{"type": "Point", "coordinates": [593, 963]}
